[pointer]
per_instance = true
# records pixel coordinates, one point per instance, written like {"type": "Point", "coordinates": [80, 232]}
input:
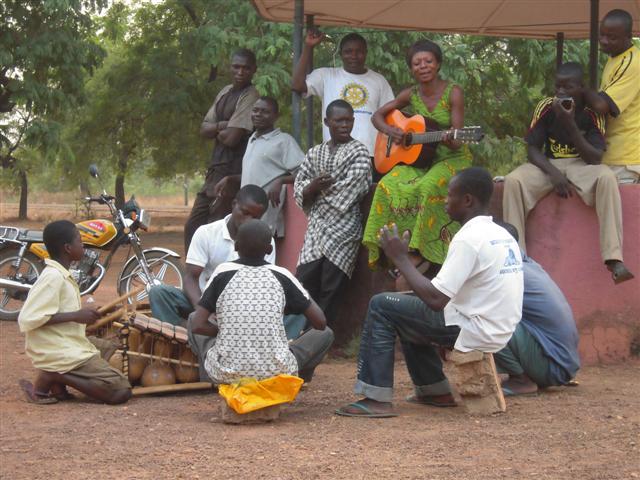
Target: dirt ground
{"type": "Point", "coordinates": [587, 432]}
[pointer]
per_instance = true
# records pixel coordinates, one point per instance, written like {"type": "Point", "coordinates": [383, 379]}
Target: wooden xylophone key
{"type": "Point", "coordinates": [155, 325]}
{"type": "Point", "coordinates": [181, 335]}
{"type": "Point", "coordinates": [168, 331]}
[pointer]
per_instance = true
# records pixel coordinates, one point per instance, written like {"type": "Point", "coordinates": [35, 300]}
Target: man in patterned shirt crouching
{"type": "Point", "coordinates": [240, 315]}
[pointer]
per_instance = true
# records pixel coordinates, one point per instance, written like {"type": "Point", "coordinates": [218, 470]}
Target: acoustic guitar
{"type": "Point", "coordinates": [421, 138]}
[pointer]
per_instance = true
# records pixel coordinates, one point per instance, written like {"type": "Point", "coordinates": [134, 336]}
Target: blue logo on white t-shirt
{"type": "Point", "coordinates": [511, 259]}
{"type": "Point", "coordinates": [514, 265]}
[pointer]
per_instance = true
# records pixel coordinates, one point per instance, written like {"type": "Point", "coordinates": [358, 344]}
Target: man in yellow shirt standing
{"type": "Point", "coordinates": [54, 326]}
{"type": "Point", "coordinates": [619, 96]}
{"type": "Point", "coordinates": [619, 100]}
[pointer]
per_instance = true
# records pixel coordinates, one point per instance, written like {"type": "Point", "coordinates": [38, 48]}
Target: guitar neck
{"type": "Point", "coordinates": [430, 137]}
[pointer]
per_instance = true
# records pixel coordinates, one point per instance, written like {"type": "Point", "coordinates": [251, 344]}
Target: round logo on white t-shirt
{"type": "Point", "coordinates": [355, 94]}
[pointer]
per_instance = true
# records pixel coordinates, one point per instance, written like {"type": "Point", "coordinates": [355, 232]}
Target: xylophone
{"type": "Point", "coordinates": [153, 354]}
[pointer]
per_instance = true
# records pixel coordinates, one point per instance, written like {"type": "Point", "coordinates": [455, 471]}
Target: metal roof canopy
{"type": "Point", "coordinates": [541, 19]}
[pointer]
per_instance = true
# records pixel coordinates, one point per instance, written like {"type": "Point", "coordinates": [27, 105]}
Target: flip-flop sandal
{"type": "Point", "coordinates": [33, 396]}
{"type": "Point", "coordinates": [507, 392]}
{"type": "Point", "coordinates": [366, 412]}
{"type": "Point", "coordinates": [428, 400]}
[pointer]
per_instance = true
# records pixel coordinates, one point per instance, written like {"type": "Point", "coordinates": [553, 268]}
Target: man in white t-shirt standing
{"type": "Point", "coordinates": [474, 303]}
{"type": "Point", "coordinates": [361, 87]}
{"type": "Point", "coordinates": [212, 244]}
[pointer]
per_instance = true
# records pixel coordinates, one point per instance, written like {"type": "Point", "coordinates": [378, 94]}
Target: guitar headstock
{"type": "Point", "coordinates": [469, 134]}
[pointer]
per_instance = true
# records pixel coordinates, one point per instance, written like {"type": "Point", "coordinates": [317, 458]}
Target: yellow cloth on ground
{"type": "Point", "coordinates": [61, 347]}
{"type": "Point", "coordinates": [250, 394]}
{"type": "Point", "coordinates": [621, 82]}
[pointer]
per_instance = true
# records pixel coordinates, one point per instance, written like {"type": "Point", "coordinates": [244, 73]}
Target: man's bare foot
{"type": "Point", "coordinates": [367, 408]}
{"type": "Point", "coordinates": [518, 385]}
{"type": "Point", "coordinates": [619, 272]}
{"type": "Point", "coordinates": [60, 392]}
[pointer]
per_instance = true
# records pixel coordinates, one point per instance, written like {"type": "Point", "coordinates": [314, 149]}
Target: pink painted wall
{"type": "Point", "coordinates": [562, 235]}
{"type": "Point", "coordinates": [361, 287]}
{"type": "Point", "coordinates": [288, 248]}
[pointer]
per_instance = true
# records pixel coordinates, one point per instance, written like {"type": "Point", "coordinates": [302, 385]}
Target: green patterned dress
{"type": "Point", "coordinates": [413, 198]}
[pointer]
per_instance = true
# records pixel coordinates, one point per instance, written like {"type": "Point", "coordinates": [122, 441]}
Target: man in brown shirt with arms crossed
{"type": "Point", "coordinates": [228, 122]}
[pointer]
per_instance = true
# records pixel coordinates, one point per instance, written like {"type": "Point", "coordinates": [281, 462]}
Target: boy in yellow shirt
{"type": "Point", "coordinates": [619, 96]}
{"type": "Point", "coordinates": [54, 326]}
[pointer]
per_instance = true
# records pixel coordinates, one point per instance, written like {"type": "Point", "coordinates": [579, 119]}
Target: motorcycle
{"type": "Point", "coordinates": [22, 255]}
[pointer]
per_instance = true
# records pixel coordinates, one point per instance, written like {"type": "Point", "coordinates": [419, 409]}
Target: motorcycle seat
{"type": "Point", "coordinates": [33, 236]}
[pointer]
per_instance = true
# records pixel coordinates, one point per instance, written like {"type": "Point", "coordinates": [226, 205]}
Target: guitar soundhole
{"type": "Point", "coordinates": [407, 140]}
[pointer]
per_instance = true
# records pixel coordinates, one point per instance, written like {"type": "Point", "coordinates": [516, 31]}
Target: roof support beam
{"type": "Point", "coordinates": [559, 48]}
{"type": "Point", "coordinates": [296, 99]}
{"type": "Point", "coordinates": [593, 44]}
{"type": "Point", "coordinates": [309, 101]}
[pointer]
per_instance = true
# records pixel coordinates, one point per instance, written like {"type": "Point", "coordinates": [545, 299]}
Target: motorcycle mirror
{"type": "Point", "coordinates": [93, 170]}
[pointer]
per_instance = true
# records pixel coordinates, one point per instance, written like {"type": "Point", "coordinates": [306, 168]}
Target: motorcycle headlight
{"type": "Point", "coordinates": [144, 219]}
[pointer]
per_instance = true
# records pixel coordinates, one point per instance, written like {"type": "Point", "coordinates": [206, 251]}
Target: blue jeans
{"type": "Point", "coordinates": [421, 331]}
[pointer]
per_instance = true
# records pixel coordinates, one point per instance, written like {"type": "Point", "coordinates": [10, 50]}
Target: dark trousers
{"type": "Point", "coordinates": [309, 349]}
{"type": "Point", "coordinates": [524, 354]}
{"type": "Point", "coordinates": [324, 282]}
{"type": "Point", "coordinates": [207, 207]}
{"type": "Point", "coordinates": [421, 331]}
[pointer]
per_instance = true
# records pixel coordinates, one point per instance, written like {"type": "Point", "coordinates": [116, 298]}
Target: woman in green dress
{"type": "Point", "coordinates": [413, 198]}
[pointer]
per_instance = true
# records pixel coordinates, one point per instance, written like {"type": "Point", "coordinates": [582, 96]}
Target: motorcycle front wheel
{"type": "Point", "coordinates": [31, 267]}
{"type": "Point", "coordinates": [165, 269]}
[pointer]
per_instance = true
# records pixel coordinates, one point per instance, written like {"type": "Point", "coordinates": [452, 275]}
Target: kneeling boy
{"type": "Point", "coordinates": [249, 298]}
{"type": "Point", "coordinates": [54, 326]}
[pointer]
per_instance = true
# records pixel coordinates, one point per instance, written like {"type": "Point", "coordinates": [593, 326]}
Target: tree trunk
{"type": "Point", "coordinates": [84, 188]}
{"type": "Point", "coordinates": [122, 170]}
{"type": "Point", "coordinates": [24, 191]}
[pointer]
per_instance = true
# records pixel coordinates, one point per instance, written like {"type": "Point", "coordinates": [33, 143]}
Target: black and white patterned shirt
{"type": "Point", "coordinates": [250, 300]}
{"type": "Point", "coordinates": [335, 220]}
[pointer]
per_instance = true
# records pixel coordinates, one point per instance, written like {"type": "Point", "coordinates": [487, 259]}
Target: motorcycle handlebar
{"type": "Point", "coordinates": [103, 200]}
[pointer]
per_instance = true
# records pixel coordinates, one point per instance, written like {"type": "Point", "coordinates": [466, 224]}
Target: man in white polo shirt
{"type": "Point", "coordinates": [212, 244]}
{"type": "Point", "coordinates": [474, 303]}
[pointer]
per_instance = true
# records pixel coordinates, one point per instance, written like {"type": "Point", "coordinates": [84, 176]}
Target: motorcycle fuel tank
{"type": "Point", "coordinates": [97, 233]}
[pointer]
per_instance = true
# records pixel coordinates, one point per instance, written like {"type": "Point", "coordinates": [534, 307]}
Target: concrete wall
{"type": "Point", "coordinates": [562, 235]}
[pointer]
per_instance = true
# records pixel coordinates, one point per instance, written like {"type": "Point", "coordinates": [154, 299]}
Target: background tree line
{"type": "Point", "coordinates": [126, 85]}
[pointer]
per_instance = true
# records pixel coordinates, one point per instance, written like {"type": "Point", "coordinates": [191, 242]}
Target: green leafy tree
{"type": "Point", "coordinates": [47, 48]}
{"type": "Point", "coordinates": [167, 61]}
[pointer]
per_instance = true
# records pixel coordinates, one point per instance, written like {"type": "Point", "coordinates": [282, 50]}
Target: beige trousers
{"type": "Point", "coordinates": [596, 185]}
{"type": "Point", "coordinates": [626, 173]}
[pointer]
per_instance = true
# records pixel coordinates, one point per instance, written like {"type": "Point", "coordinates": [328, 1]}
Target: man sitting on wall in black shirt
{"type": "Point", "coordinates": [565, 146]}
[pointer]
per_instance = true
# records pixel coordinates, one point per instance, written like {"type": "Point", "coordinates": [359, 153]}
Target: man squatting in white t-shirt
{"type": "Point", "coordinates": [361, 87]}
{"type": "Point", "coordinates": [212, 244]}
{"type": "Point", "coordinates": [474, 303]}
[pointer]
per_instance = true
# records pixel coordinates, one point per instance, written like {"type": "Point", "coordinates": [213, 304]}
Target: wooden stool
{"type": "Point", "coordinates": [474, 376]}
{"type": "Point", "coordinates": [263, 415]}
